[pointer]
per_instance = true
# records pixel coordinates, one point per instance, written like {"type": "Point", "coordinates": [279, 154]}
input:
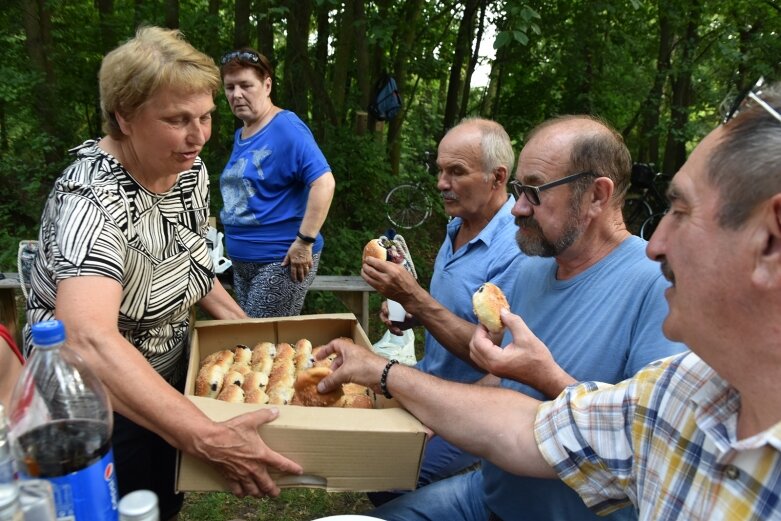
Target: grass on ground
{"type": "Point", "coordinates": [292, 505]}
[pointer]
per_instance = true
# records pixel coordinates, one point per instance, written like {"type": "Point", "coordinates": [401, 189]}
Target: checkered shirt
{"type": "Point", "coordinates": [665, 441]}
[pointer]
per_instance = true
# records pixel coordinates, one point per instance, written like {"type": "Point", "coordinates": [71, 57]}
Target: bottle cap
{"type": "Point", "coordinates": [138, 505]}
{"type": "Point", "coordinates": [48, 333]}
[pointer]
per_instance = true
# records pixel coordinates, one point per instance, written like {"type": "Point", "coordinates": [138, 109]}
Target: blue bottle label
{"type": "Point", "coordinates": [89, 494]}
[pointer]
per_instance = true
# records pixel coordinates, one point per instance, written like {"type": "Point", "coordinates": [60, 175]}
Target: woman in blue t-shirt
{"type": "Point", "coordinates": [276, 189]}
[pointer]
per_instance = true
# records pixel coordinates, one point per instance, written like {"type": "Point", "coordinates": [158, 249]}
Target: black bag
{"type": "Point", "coordinates": [387, 101]}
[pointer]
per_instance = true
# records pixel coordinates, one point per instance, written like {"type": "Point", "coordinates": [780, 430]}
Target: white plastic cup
{"type": "Point", "coordinates": [396, 312]}
{"type": "Point", "coordinates": [37, 498]}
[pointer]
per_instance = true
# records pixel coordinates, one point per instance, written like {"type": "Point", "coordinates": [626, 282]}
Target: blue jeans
{"type": "Point", "coordinates": [458, 498]}
{"type": "Point", "coordinates": [441, 460]}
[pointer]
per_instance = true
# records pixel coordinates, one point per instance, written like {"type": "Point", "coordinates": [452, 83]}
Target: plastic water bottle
{"type": "Point", "coordinates": [139, 505]}
{"type": "Point", "coordinates": [10, 507]}
{"type": "Point", "coordinates": [61, 421]}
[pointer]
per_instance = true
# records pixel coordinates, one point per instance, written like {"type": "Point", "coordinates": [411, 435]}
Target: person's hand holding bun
{"type": "Point", "coordinates": [487, 303]}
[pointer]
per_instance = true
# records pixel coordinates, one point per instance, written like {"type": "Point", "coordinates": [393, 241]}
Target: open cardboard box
{"type": "Point", "coordinates": [339, 449]}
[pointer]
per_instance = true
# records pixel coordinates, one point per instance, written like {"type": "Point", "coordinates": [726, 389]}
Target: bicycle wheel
{"type": "Point", "coordinates": [650, 224]}
{"type": "Point", "coordinates": [636, 211]}
{"type": "Point", "coordinates": [407, 206]}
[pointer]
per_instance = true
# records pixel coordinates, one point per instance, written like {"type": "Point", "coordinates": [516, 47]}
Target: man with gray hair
{"type": "Point", "coordinates": [474, 160]}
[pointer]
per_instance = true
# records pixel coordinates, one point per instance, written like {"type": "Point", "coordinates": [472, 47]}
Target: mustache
{"type": "Point", "coordinates": [667, 271]}
{"type": "Point", "coordinates": [528, 222]}
{"type": "Point", "coordinates": [451, 196]}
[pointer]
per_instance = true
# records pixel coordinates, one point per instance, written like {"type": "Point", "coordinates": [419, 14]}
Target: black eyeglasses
{"type": "Point", "coordinates": [732, 105]}
{"type": "Point", "coordinates": [532, 193]}
{"type": "Point", "coordinates": [240, 55]}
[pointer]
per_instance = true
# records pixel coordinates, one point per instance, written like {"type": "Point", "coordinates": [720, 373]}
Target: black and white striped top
{"type": "Point", "coordinates": [99, 221]}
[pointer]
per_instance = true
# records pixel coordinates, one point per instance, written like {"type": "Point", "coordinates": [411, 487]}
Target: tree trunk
{"type": "Point", "coordinates": [37, 27]}
{"type": "Point", "coordinates": [266, 29]}
{"type": "Point", "coordinates": [106, 22]}
{"type": "Point", "coordinates": [463, 49]}
{"type": "Point", "coordinates": [411, 15]}
{"type": "Point", "coordinates": [241, 16]}
{"type": "Point", "coordinates": [675, 149]}
{"type": "Point", "coordinates": [3, 128]}
{"type": "Point", "coordinates": [470, 69]}
{"type": "Point", "coordinates": [652, 105]}
{"type": "Point", "coordinates": [172, 14]}
{"type": "Point", "coordinates": [378, 64]}
{"type": "Point", "coordinates": [319, 111]}
{"type": "Point", "coordinates": [294, 91]}
{"type": "Point", "coordinates": [362, 54]}
{"type": "Point", "coordinates": [342, 60]}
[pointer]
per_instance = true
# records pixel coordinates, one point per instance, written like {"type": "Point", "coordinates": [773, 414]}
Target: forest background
{"type": "Point", "coordinates": [657, 70]}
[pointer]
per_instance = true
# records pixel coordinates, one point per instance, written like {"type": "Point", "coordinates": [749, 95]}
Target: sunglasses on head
{"type": "Point", "coordinates": [532, 193]}
{"type": "Point", "coordinates": [732, 105]}
{"type": "Point", "coordinates": [240, 55]}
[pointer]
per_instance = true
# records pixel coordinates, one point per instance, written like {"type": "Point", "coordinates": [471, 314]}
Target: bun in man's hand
{"type": "Point", "coordinates": [487, 303]}
{"type": "Point", "coordinates": [375, 249]}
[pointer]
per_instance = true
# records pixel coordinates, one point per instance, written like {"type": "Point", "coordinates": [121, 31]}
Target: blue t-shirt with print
{"type": "Point", "coordinates": [265, 188]}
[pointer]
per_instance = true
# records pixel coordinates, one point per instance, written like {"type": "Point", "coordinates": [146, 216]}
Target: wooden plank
{"type": "Point", "coordinates": [352, 290]}
{"type": "Point", "coordinates": [340, 283]}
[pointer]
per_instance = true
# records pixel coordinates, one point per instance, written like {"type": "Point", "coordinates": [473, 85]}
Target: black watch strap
{"type": "Point", "coordinates": [305, 238]}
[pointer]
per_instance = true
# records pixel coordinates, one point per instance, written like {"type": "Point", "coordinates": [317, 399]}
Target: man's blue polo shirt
{"type": "Point", "coordinates": [492, 256]}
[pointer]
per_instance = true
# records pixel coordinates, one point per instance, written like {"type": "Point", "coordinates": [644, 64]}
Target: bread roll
{"type": "Point", "coordinates": [254, 380]}
{"type": "Point", "coordinates": [263, 357]}
{"type": "Point", "coordinates": [233, 377]}
{"type": "Point", "coordinates": [304, 358]}
{"type": "Point", "coordinates": [256, 396]}
{"type": "Point", "coordinates": [223, 358]}
{"type": "Point", "coordinates": [283, 376]}
{"type": "Point", "coordinates": [306, 388]}
{"type": "Point", "coordinates": [209, 381]}
{"type": "Point", "coordinates": [282, 393]}
{"type": "Point", "coordinates": [487, 303]}
{"type": "Point", "coordinates": [354, 401]}
{"type": "Point", "coordinates": [242, 354]}
{"type": "Point", "coordinates": [231, 393]}
{"type": "Point", "coordinates": [375, 249]}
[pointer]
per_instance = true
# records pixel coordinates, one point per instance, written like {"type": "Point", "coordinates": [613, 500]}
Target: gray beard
{"type": "Point", "coordinates": [536, 244]}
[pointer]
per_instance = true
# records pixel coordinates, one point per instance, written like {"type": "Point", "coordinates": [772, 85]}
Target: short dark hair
{"type": "Point", "coordinates": [746, 165]}
{"type": "Point", "coordinates": [602, 152]}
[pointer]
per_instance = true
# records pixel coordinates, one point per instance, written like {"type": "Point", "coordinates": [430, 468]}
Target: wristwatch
{"type": "Point", "coordinates": [305, 238]}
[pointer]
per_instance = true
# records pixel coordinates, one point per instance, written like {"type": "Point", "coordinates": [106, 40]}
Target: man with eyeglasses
{"type": "Point", "coordinates": [592, 299]}
{"type": "Point", "coordinates": [695, 436]}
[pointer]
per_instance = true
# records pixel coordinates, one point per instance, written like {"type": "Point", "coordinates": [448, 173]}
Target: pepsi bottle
{"type": "Point", "coordinates": [60, 427]}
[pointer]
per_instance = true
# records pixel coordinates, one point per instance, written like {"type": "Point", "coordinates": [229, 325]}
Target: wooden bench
{"type": "Point", "coordinates": [352, 290]}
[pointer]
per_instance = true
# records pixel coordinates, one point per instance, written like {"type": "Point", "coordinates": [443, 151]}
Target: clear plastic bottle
{"type": "Point", "coordinates": [61, 421]}
{"type": "Point", "coordinates": [10, 507]}
{"type": "Point", "coordinates": [139, 505]}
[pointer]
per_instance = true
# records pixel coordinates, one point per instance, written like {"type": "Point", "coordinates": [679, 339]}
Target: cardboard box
{"type": "Point", "coordinates": [339, 449]}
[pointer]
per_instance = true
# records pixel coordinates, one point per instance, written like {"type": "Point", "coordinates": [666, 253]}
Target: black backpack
{"type": "Point", "coordinates": [387, 101]}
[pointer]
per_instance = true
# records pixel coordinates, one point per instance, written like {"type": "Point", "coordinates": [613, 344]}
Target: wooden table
{"type": "Point", "coordinates": [352, 290]}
